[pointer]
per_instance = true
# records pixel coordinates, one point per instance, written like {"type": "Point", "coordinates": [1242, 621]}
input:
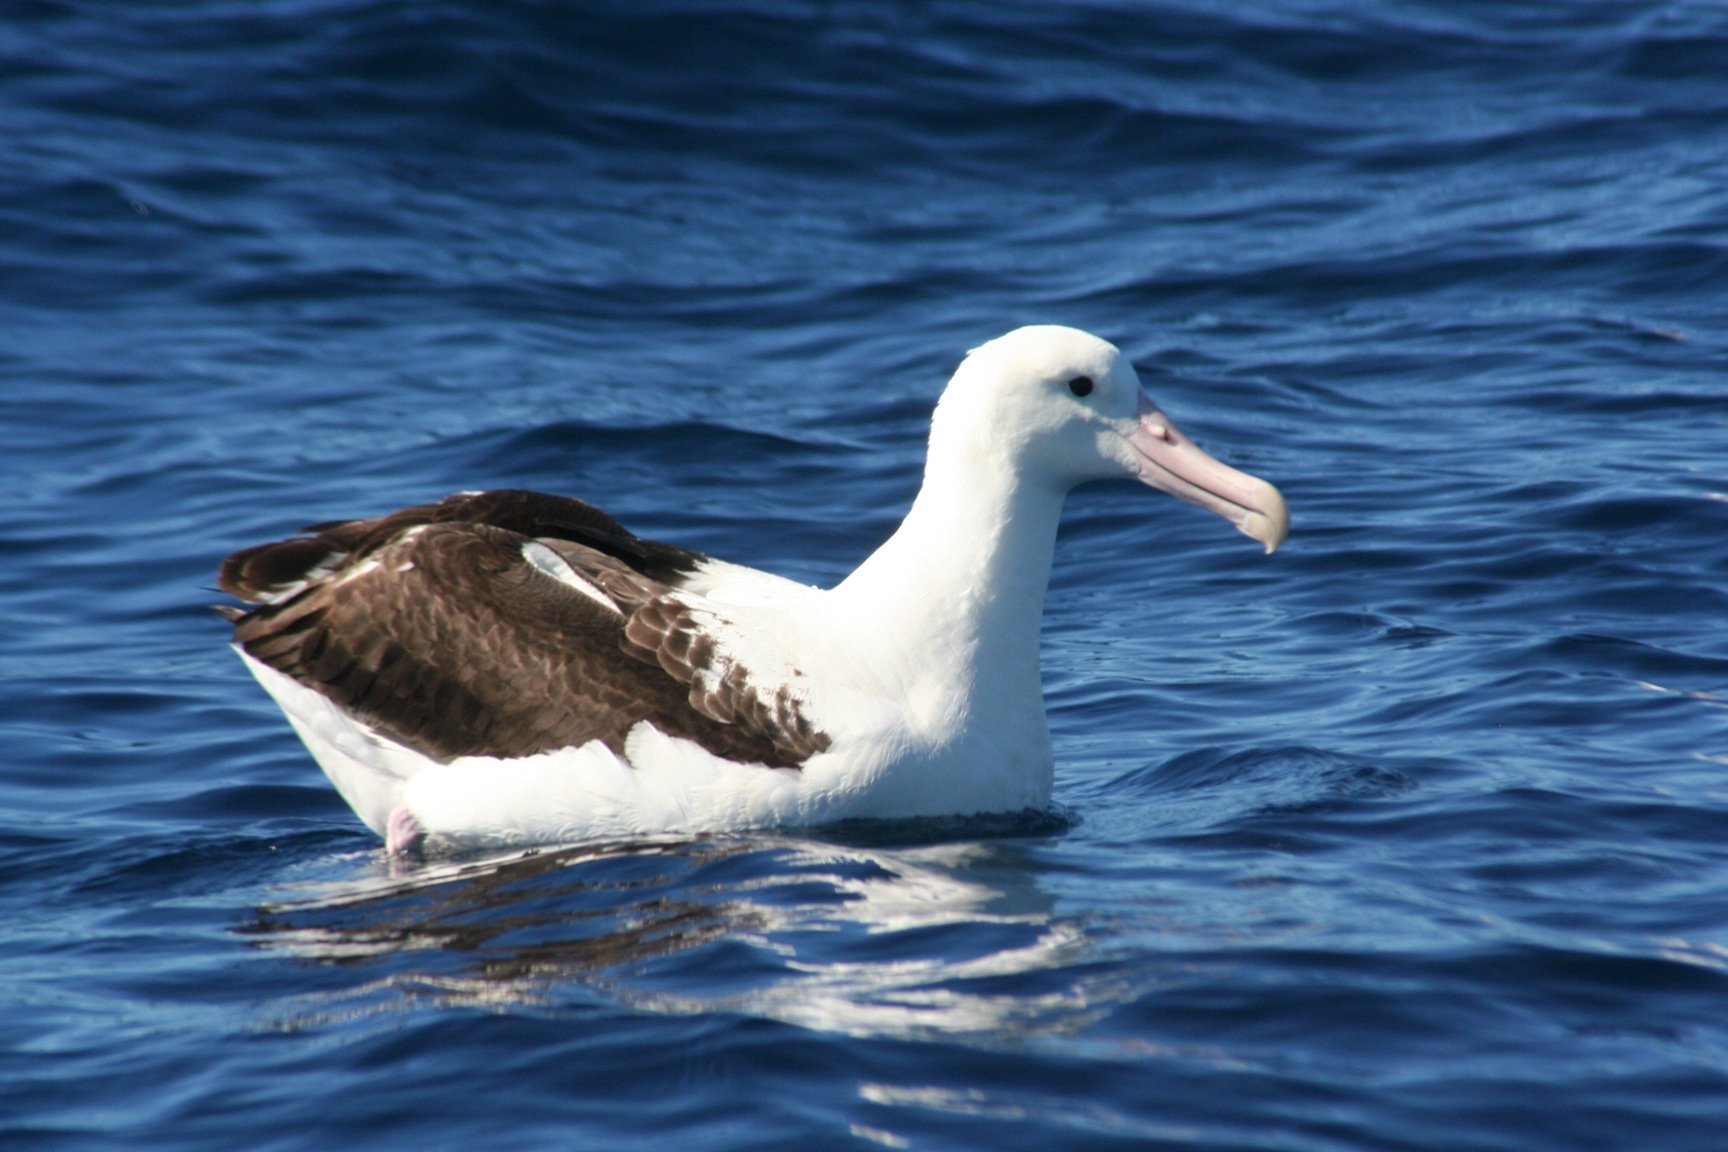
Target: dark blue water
{"type": "Point", "coordinates": [1413, 836]}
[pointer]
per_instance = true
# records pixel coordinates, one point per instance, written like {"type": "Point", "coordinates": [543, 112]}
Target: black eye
{"type": "Point", "coordinates": [1080, 385]}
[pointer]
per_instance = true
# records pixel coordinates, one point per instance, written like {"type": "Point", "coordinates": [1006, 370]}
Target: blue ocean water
{"type": "Point", "coordinates": [1412, 836]}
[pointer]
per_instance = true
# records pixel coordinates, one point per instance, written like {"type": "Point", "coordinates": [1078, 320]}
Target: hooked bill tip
{"type": "Point", "coordinates": [1269, 522]}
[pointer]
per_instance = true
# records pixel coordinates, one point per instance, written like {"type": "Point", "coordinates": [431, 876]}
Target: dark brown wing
{"type": "Point", "coordinates": [449, 637]}
{"type": "Point", "coordinates": [266, 571]}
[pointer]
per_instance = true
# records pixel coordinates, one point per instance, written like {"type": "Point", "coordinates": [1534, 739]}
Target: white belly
{"type": "Point", "coordinates": [661, 786]}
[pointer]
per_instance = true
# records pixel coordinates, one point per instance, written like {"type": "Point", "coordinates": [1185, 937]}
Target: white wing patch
{"type": "Point", "coordinates": [560, 570]}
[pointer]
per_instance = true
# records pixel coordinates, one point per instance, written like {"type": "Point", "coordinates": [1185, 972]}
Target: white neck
{"type": "Point", "coordinates": [953, 601]}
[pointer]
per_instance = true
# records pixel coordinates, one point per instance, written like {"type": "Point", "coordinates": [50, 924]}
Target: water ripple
{"type": "Point", "coordinates": [1408, 836]}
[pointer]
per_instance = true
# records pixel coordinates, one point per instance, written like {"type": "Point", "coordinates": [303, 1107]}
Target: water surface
{"type": "Point", "coordinates": [1410, 836]}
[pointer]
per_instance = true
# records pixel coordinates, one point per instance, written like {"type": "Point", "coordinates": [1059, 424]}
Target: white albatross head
{"type": "Point", "coordinates": [1069, 408]}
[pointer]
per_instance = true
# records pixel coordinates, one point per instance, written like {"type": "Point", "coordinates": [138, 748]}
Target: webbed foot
{"type": "Point", "coordinates": [404, 836]}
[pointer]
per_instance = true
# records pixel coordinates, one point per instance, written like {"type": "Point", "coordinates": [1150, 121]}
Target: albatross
{"type": "Point", "coordinates": [507, 668]}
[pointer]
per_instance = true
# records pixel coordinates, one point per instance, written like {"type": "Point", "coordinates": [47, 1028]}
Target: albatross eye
{"type": "Point", "coordinates": [1080, 385]}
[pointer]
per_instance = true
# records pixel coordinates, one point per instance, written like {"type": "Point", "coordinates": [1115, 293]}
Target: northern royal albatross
{"type": "Point", "coordinates": [504, 668]}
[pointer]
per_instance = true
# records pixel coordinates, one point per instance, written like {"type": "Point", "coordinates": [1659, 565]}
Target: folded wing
{"type": "Point", "coordinates": [506, 624]}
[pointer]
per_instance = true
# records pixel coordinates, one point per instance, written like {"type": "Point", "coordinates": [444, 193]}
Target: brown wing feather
{"type": "Point", "coordinates": [666, 632]}
{"type": "Point", "coordinates": [267, 571]}
{"type": "Point", "coordinates": [443, 636]}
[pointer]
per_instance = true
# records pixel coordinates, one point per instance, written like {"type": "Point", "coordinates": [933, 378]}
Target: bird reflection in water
{"type": "Point", "coordinates": [951, 937]}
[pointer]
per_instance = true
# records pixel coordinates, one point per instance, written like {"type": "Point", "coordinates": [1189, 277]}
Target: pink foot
{"type": "Point", "coordinates": [404, 835]}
